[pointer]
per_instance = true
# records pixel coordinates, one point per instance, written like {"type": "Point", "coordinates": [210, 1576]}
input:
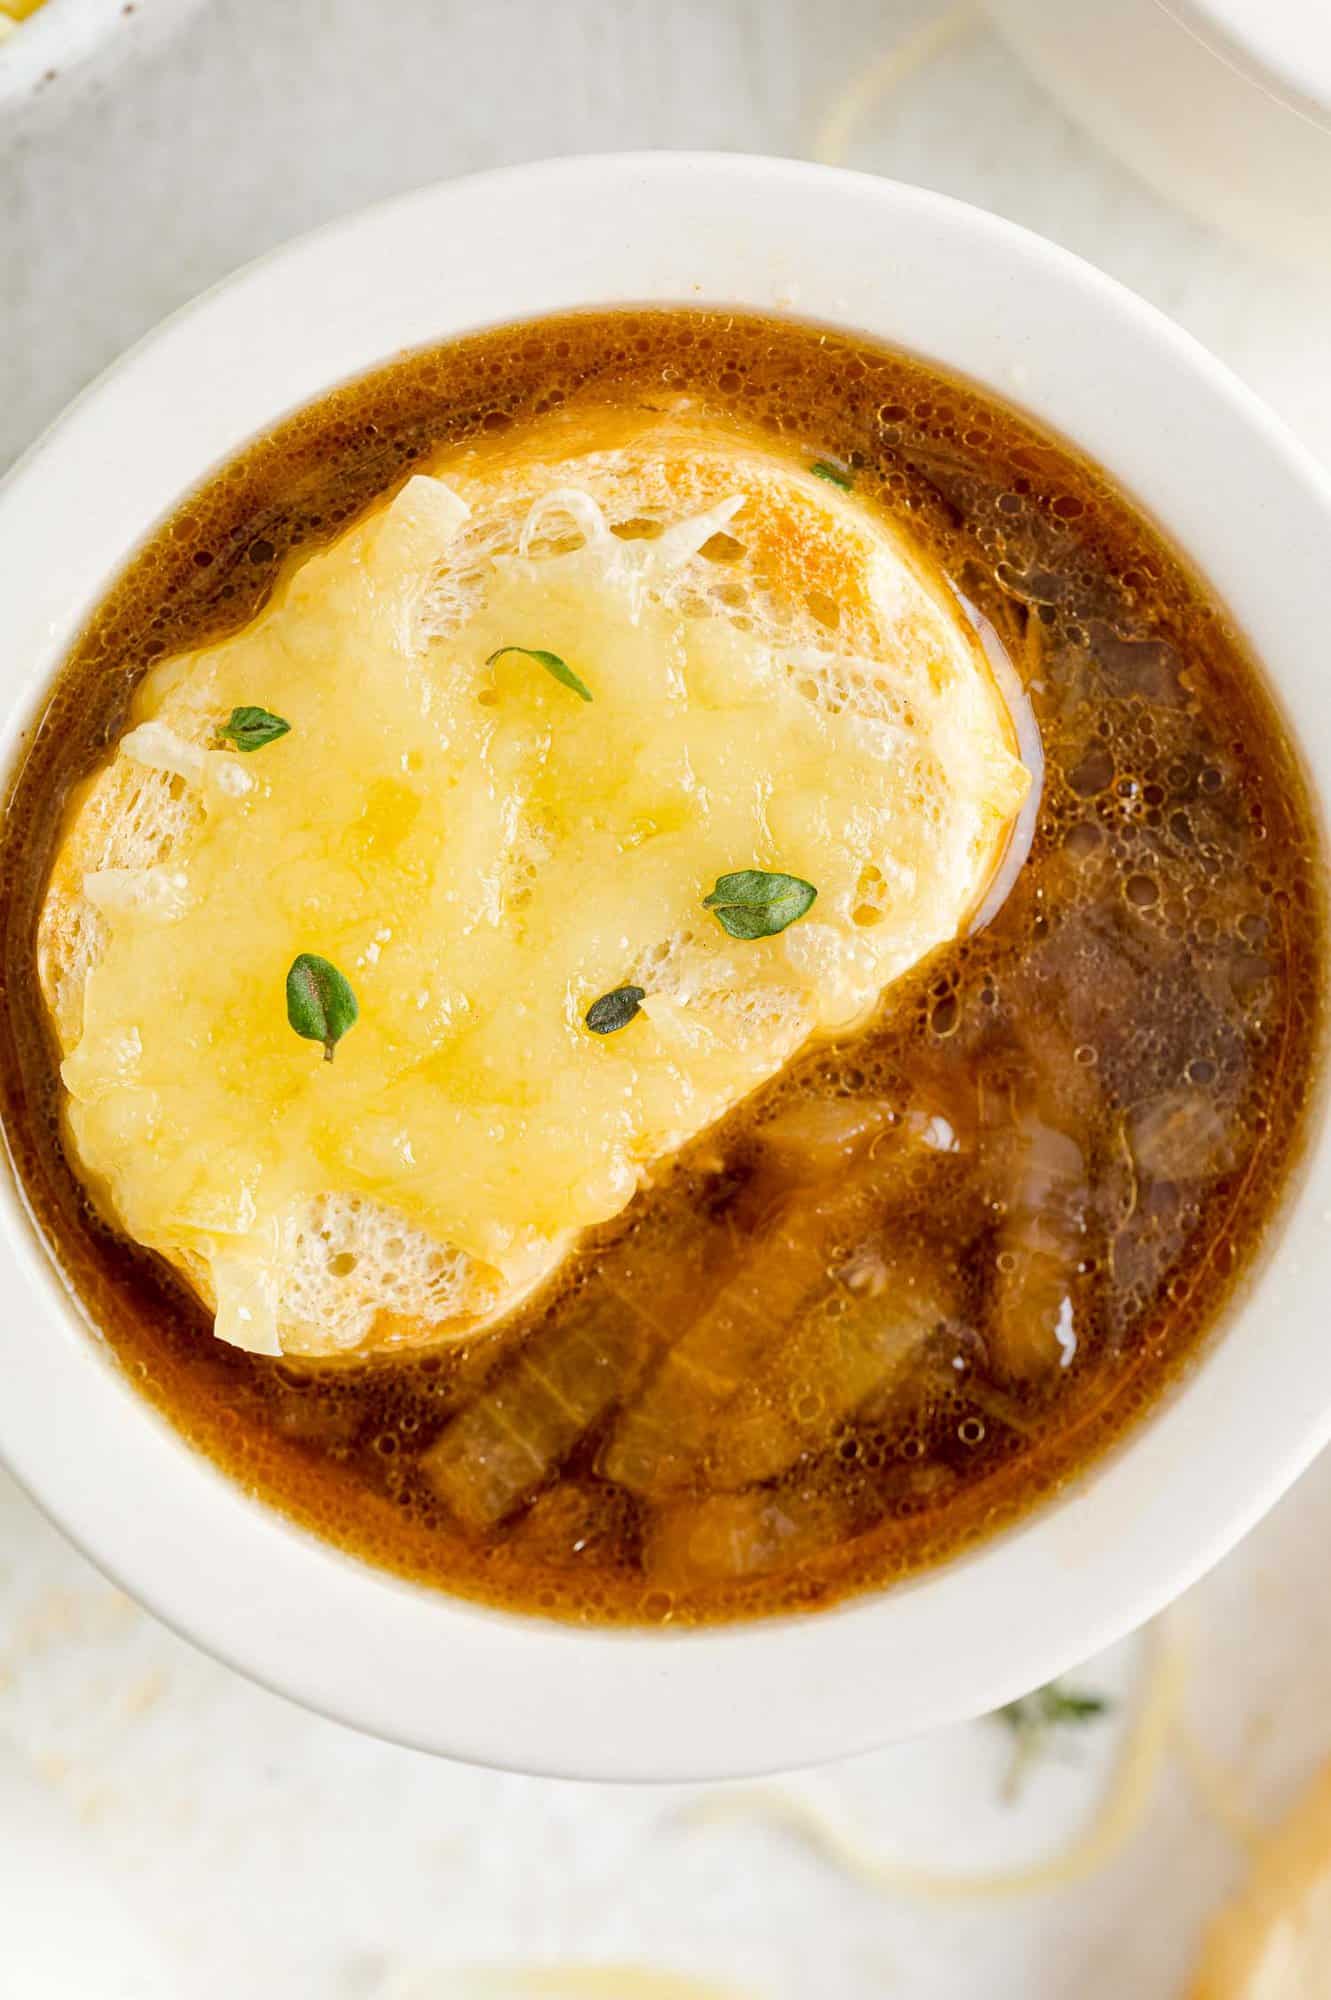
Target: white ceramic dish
{"type": "Point", "coordinates": [1233, 489]}
{"type": "Point", "coordinates": [1223, 105]}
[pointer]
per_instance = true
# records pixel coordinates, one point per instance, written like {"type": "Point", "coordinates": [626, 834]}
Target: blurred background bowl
{"type": "Point", "coordinates": [1222, 105]}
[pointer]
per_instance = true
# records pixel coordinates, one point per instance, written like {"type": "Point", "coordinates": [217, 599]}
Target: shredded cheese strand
{"type": "Point", "coordinates": [1125, 1800]}
{"type": "Point", "coordinates": [572, 1982]}
{"type": "Point", "coordinates": [1218, 1791]}
{"type": "Point", "coordinates": [854, 102]}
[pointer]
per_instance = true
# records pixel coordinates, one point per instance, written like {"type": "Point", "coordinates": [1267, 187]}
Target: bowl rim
{"type": "Point", "coordinates": [1259, 48]}
{"type": "Point", "coordinates": [1145, 1520]}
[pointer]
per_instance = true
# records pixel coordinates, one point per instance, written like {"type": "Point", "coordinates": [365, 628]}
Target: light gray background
{"type": "Point", "coordinates": [261, 1850]}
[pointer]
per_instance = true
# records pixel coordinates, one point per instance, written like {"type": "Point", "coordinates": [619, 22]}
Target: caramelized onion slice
{"type": "Point", "coordinates": [505, 1444]}
{"type": "Point", "coordinates": [789, 1268]}
{"type": "Point", "coordinates": [729, 1536]}
{"type": "Point", "coordinates": [1032, 1321]}
{"type": "Point", "coordinates": [859, 1339]}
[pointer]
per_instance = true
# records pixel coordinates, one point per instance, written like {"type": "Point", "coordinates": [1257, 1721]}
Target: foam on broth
{"type": "Point", "coordinates": [925, 1275]}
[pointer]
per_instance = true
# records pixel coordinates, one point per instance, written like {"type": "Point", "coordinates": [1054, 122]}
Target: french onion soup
{"type": "Point", "coordinates": [658, 965]}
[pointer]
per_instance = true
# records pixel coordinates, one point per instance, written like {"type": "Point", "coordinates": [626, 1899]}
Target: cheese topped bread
{"type": "Point", "coordinates": [538, 703]}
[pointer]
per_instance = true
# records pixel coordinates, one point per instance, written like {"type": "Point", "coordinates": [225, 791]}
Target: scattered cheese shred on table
{"type": "Point", "coordinates": [1150, 1729]}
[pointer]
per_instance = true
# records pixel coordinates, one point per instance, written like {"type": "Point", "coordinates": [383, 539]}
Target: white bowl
{"type": "Point", "coordinates": [1198, 451]}
{"type": "Point", "coordinates": [1222, 105]}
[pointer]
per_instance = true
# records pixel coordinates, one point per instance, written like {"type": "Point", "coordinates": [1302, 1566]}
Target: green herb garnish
{"type": "Point", "coordinates": [614, 1011]}
{"type": "Point", "coordinates": [835, 475]}
{"type": "Point", "coordinates": [320, 1004]}
{"type": "Point", "coordinates": [251, 728]}
{"type": "Point", "coordinates": [1035, 1718]}
{"type": "Point", "coordinates": [552, 663]}
{"type": "Point", "coordinates": [752, 904]}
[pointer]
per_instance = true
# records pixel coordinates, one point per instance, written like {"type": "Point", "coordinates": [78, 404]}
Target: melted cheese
{"type": "Point", "coordinates": [483, 854]}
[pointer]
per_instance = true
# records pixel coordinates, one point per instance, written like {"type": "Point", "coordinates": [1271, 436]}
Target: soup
{"type": "Point", "coordinates": [907, 1272]}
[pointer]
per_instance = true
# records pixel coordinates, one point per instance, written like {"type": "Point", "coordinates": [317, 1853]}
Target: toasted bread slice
{"type": "Point", "coordinates": [778, 680]}
{"type": "Point", "coordinates": [1273, 1941]}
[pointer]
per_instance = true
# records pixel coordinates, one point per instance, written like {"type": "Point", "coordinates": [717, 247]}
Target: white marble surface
{"type": "Point", "coordinates": [243, 1845]}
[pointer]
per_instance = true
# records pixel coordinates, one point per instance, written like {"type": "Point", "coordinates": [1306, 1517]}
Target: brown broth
{"type": "Point", "coordinates": [1125, 1054]}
